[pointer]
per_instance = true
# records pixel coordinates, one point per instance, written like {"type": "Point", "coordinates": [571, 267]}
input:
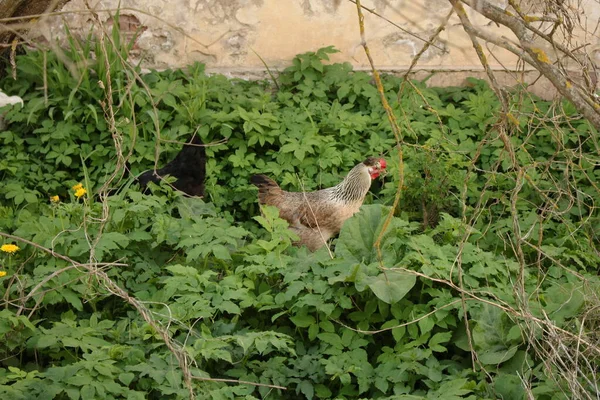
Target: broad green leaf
{"type": "Point", "coordinates": [221, 252]}
{"type": "Point", "coordinates": [509, 387]}
{"type": "Point", "coordinates": [126, 378]}
{"type": "Point", "coordinates": [313, 330]}
{"type": "Point", "coordinates": [453, 389]}
{"type": "Point", "coordinates": [392, 286]}
{"type": "Point", "coordinates": [322, 391]}
{"type": "Point", "coordinates": [439, 338]}
{"type": "Point", "coordinates": [426, 324]}
{"type": "Point", "coordinates": [332, 339]}
{"type": "Point", "coordinates": [563, 301]}
{"type": "Point", "coordinates": [46, 341]}
{"type": "Point", "coordinates": [88, 392]}
{"type": "Point", "coordinates": [303, 321]}
{"type": "Point", "coordinates": [72, 298]}
{"type": "Point", "coordinates": [495, 357]}
{"type": "Point", "coordinates": [359, 234]}
{"type": "Point", "coordinates": [492, 337]}
{"type": "Point", "coordinates": [307, 389]}
{"type": "Point", "coordinates": [230, 307]}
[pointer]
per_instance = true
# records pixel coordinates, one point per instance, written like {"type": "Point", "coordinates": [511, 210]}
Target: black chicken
{"type": "Point", "coordinates": [189, 167]}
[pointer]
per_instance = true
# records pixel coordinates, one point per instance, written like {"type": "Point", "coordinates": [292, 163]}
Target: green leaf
{"type": "Point", "coordinates": [303, 321]}
{"type": "Point", "coordinates": [307, 389]}
{"type": "Point", "coordinates": [392, 286]}
{"type": "Point", "coordinates": [221, 252]}
{"type": "Point", "coordinates": [426, 324]}
{"type": "Point", "coordinates": [326, 326]}
{"type": "Point", "coordinates": [87, 392]}
{"type": "Point", "coordinates": [453, 389]}
{"type": "Point", "coordinates": [359, 234]}
{"type": "Point", "coordinates": [104, 369]}
{"type": "Point", "coordinates": [72, 298]}
{"type": "Point", "coordinates": [343, 91]}
{"type": "Point", "coordinates": [46, 341]}
{"type": "Point", "coordinates": [509, 387]}
{"type": "Point", "coordinates": [495, 357]}
{"type": "Point", "coordinates": [437, 339]}
{"type": "Point", "coordinates": [230, 307]}
{"type": "Point", "coordinates": [313, 330]}
{"type": "Point", "coordinates": [491, 335]}
{"type": "Point", "coordinates": [332, 339]}
{"type": "Point", "coordinates": [126, 378]}
{"type": "Point", "coordinates": [322, 391]}
{"type": "Point", "coordinates": [563, 301]}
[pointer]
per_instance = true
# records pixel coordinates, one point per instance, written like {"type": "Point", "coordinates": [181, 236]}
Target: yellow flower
{"type": "Point", "coordinates": [77, 187]}
{"type": "Point", "coordinates": [2, 273]}
{"type": "Point", "coordinates": [54, 199]}
{"type": "Point", "coordinates": [80, 192]}
{"type": "Point", "coordinates": [9, 248]}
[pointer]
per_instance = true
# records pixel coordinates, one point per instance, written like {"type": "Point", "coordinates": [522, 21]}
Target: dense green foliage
{"type": "Point", "coordinates": [512, 251]}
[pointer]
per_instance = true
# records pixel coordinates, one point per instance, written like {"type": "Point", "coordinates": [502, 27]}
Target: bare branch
{"type": "Point", "coordinates": [529, 38]}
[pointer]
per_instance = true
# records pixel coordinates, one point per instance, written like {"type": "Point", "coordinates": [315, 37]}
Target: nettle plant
{"type": "Point", "coordinates": [467, 290]}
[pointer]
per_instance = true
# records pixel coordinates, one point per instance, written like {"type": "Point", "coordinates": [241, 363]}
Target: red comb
{"type": "Point", "coordinates": [382, 162]}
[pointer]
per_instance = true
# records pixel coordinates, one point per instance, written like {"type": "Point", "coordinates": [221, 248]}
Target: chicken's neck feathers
{"type": "Point", "coordinates": [354, 187]}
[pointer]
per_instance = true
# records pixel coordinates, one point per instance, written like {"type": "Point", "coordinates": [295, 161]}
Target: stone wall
{"type": "Point", "coordinates": [236, 36]}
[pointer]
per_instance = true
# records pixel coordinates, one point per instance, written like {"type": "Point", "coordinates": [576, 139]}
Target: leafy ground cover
{"type": "Point", "coordinates": [481, 284]}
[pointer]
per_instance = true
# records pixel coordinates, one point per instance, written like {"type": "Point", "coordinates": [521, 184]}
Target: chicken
{"type": "Point", "coordinates": [188, 166]}
{"type": "Point", "coordinates": [317, 216]}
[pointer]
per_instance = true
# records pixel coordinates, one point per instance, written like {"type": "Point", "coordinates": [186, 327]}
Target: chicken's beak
{"type": "Point", "coordinates": [376, 170]}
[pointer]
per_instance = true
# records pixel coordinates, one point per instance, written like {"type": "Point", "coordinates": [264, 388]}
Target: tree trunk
{"type": "Point", "coordinates": [11, 26]}
{"type": "Point", "coordinates": [16, 17]}
{"type": "Point", "coordinates": [8, 7]}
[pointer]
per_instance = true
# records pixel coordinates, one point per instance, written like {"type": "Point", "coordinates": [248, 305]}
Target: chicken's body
{"type": "Point", "coordinates": [188, 166]}
{"type": "Point", "coordinates": [317, 216]}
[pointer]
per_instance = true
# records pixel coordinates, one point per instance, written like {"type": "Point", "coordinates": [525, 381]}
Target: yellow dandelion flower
{"type": "Point", "coordinates": [9, 248]}
{"type": "Point", "coordinates": [77, 187]}
{"type": "Point", "coordinates": [54, 199]}
{"type": "Point", "coordinates": [80, 192]}
{"type": "Point", "coordinates": [2, 274]}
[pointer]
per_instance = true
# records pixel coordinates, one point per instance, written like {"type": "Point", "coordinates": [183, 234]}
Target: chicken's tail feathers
{"type": "Point", "coordinates": [266, 186]}
{"type": "Point", "coordinates": [263, 182]}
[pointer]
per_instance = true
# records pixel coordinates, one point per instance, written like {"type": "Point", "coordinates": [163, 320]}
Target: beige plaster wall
{"type": "Point", "coordinates": [227, 35]}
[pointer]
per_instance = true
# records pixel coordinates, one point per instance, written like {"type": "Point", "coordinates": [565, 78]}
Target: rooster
{"type": "Point", "coordinates": [188, 167]}
{"type": "Point", "coordinates": [317, 216]}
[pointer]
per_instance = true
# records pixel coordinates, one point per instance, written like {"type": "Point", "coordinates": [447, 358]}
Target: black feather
{"type": "Point", "coordinates": [188, 167]}
{"type": "Point", "coordinates": [262, 180]}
